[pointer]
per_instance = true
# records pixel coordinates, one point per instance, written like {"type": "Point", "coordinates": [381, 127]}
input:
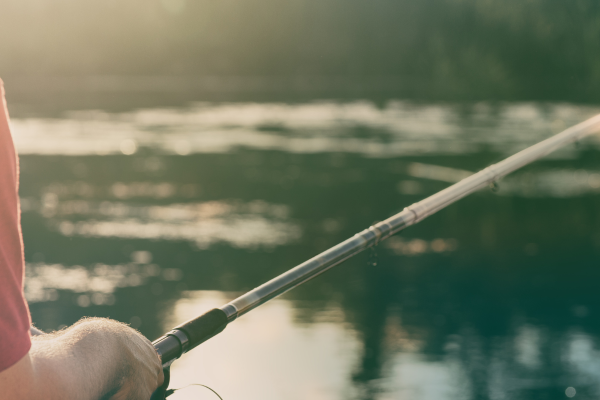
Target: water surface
{"type": "Point", "coordinates": [154, 215]}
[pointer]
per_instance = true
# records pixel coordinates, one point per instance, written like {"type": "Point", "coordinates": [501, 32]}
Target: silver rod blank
{"type": "Point", "coordinates": [409, 216]}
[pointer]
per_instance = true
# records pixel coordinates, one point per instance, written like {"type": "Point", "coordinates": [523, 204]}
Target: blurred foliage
{"type": "Point", "coordinates": [542, 49]}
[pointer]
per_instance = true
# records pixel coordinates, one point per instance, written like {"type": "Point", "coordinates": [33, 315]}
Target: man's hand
{"type": "Point", "coordinates": [144, 373]}
{"type": "Point", "coordinates": [94, 359]}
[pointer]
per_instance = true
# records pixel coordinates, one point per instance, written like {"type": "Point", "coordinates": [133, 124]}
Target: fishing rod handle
{"type": "Point", "coordinates": [161, 392]}
{"type": "Point", "coordinates": [188, 335]}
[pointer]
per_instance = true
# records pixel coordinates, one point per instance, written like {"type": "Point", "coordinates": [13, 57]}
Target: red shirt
{"type": "Point", "coordinates": [15, 321]}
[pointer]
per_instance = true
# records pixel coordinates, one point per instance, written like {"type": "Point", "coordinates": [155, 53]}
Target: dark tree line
{"type": "Point", "coordinates": [445, 49]}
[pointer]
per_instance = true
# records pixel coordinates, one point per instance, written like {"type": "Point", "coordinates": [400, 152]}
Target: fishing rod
{"type": "Point", "coordinates": [190, 334]}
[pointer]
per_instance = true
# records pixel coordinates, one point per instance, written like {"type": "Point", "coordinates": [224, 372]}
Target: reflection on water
{"type": "Point", "coordinates": [419, 246]}
{"type": "Point", "coordinates": [549, 183]}
{"type": "Point", "coordinates": [154, 216]}
{"type": "Point", "coordinates": [202, 224]}
{"type": "Point", "coordinates": [242, 225]}
{"type": "Point", "coordinates": [304, 361]}
{"type": "Point", "coordinates": [399, 128]}
{"type": "Point", "coordinates": [96, 283]}
{"type": "Point", "coordinates": [321, 355]}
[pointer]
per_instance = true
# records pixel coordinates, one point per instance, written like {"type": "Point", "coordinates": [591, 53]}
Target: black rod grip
{"type": "Point", "coordinates": [202, 328]}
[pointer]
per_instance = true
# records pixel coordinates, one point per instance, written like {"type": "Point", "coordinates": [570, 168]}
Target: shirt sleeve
{"type": "Point", "coordinates": [15, 340]}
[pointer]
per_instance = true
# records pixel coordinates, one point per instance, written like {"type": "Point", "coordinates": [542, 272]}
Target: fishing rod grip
{"type": "Point", "coordinates": [188, 335]}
